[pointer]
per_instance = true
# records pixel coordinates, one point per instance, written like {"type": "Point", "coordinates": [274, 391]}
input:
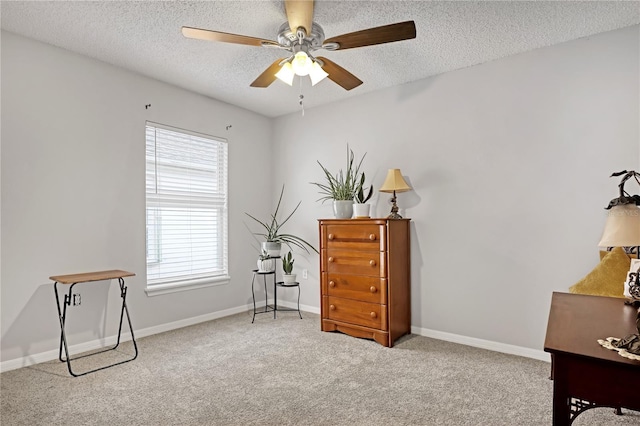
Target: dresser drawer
{"type": "Point", "coordinates": [371, 263]}
{"type": "Point", "coordinates": [358, 287]}
{"type": "Point", "coordinates": [355, 312]}
{"type": "Point", "coordinates": [358, 237]}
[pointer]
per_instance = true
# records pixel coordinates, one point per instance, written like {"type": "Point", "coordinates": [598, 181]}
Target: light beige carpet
{"type": "Point", "coordinates": [287, 372]}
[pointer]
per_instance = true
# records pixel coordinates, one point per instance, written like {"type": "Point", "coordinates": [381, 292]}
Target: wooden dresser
{"type": "Point", "coordinates": [365, 269]}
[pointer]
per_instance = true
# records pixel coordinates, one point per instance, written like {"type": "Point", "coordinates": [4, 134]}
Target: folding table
{"type": "Point", "coordinates": [74, 279]}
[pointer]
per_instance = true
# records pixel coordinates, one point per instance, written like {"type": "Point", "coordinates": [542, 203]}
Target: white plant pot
{"type": "Point", "coordinates": [272, 248]}
{"type": "Point", "coordinates": [289, 278]}
{"type": "Point", "coordinates": [343, 209]}
{"type": "Point", "coordinates": [266, 265]}
{"type": "Point", "coordinates": [361, 211]}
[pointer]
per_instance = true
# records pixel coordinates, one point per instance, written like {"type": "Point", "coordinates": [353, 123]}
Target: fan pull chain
{"type": "Point", "coordinates": [301, 97]}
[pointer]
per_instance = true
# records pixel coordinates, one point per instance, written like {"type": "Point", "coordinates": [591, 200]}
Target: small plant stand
{"type": "Point", "coordinates": [267, 308]}
{"type": "Point", "coordinates": [275, 297]}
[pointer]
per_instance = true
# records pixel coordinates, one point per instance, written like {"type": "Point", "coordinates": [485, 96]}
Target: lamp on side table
{"type": "Point", "coordinates": [622, 229]}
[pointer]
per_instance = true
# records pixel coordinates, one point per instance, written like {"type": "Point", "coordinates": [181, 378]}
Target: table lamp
{"type": "Point", "coordinates": [622, 229]}
{"type": "Point", "coordinates": [394, 182]}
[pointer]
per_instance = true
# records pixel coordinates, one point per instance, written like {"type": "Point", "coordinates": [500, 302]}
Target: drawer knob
{"type": "Point", "coordinates": [372, 237]}
{"type": "Point", "coordinates": [373, 315]}
{"type": "Point", "coordinates": [372, 262]}
{"type": "Point", "coordinates": [332, 283]}
{"type": "Point", "coordinates": [331, 236]}
{"type": "Point", "coordinates": [372, 289]}
{"type": "Point", "coordinates": [332, 307]}
{"type": "Point", "coordinates": [330, 259]}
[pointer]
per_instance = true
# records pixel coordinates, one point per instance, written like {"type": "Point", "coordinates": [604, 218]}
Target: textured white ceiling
{"type": "Point", "coordinates": [144, 36]}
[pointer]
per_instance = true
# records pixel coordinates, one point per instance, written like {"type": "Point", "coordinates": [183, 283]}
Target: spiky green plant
{"type": "Point", "coordinates": [272, 229]}
{"type": "Point", "coordinates": [344, 185]}
{"type": "Point", "coordinates": [287, 263]}
{"type": "Point", "coordinates": [360, 198]}
{"type": "Point", "coordinates": [264, 255]}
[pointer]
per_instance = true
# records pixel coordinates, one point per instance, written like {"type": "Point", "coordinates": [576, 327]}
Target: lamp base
{"type": "Point", "coordinates": [394, 208]}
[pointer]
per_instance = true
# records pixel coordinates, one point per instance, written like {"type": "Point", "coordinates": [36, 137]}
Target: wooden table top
{"type": "Point", "coordinates": [577, 321]}
{"type": "Point", "coordinates": [91, 276]}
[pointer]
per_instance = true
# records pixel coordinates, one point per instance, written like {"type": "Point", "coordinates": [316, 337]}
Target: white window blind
{"type": "Point", "coordinates": [186, 182]}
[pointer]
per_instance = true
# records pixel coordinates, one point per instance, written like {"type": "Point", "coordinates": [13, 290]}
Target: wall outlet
{"type": "Point", "coordinates": [76, 299]}
{"type": "Point", "coordinates": [305, 274]}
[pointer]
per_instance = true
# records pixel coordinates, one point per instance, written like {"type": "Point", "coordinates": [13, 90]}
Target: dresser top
{"type": "Point", "coordinates": [380, 220]}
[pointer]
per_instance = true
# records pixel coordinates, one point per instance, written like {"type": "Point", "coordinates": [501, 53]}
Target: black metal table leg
{"type": "Point", "coordinates": [253, 296]}
{"type": "Point", "coordinates": [62, 315]}
{"type": "Point", "coordinates": [275, 298]}
{"type": "Point", "coordinates": [299, 314]}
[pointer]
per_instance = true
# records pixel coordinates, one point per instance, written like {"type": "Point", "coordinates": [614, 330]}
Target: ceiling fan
{"type": "Point", "coordinates": [300, 36]}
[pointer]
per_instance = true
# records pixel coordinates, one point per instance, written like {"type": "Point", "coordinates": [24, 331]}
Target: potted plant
{"type": "Point", "coordinates": [266, 263]}
{"type": "Point", "coordinates": [360, 208]}
{"type": "Point", "coordinates": [273, 236]}
{"type": "Point", "coordinates": [287, 267]}
{"type": "Point", "coordinates": [341, 188]}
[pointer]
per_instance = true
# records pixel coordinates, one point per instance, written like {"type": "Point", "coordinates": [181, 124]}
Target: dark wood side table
{"type": "Point", "coordinates": [586, 375]}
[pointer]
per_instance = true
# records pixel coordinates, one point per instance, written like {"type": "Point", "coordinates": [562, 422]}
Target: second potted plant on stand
{"type": "Point", "coordinates": [266, 263]}
{"type": "Point", "coordinates": [287, 266]}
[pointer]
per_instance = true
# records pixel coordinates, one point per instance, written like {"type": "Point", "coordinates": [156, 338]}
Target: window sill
{"type": "Point", "coordinates": [173, 287]}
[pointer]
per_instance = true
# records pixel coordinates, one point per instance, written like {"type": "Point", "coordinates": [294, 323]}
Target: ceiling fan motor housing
{"type": "Point", "coordinates": [288, 38]}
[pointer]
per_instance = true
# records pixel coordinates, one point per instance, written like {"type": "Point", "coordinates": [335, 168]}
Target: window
{"type": "Point", "coordinates": [186, 209]}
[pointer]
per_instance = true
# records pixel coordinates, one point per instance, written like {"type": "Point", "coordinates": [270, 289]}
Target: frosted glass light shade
{"type": "Point", "coordinates": [622, 228]}
{"type": "Point", "coordinates": [286, 74]}
{"type": "Point", "coordinates": [301, 64]}
{"type": "Point", "coordinates": [395, 182]}
{"type": "Point", "coordinates": [317, 74]}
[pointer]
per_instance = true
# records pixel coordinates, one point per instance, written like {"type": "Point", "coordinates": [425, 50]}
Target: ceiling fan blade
{"type": "Point", "coordinates": [268, 76]}
{"type": "Point", "coordinates": [299, 14]}
{"type": "Point", "coordinates": [210, 35]}
{"type": "Point", "coordinates": [378, 35]}
{"type": "Point", "coordinates": [339, 75]}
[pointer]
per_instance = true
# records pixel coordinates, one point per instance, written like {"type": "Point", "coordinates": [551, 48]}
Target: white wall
{"type": "Point", "coordinates": [509, 162]}
{"type": "Point", "coordinates": [510, 165]}
{"type": "Point", "coordinates": [73, 161]}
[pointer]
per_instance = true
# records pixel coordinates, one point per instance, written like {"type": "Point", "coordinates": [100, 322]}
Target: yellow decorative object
{"type": "Point", "coordinates": [606, 279]}
{"type": "Point", "coordinates": [603, 253]}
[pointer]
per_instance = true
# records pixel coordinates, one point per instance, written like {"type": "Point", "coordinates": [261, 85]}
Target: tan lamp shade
{"type": "Point", "coordinates": [622, 228]}
{"type": "Point", "coordinates": [394, 182]}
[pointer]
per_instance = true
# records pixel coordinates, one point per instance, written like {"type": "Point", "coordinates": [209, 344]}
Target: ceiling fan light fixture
{"type": "Point", "coordinates": [286, 74]}
{"type": "Point", "coordinates": [300, 36]}
{"type": "Point", "coordinates": [301, 63]}
{"type": "Point", "coordinates": [317, 74]}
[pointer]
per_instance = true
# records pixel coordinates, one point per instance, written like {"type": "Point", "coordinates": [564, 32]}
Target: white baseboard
{"type": "Point", "coordinates": [28, 360]}
{"type": "Point", "coordinates": [455, 338]}
{"type": "Point", "coordinates": [483, 344]}
{"type": "Point", "coordinates": [303, 308]}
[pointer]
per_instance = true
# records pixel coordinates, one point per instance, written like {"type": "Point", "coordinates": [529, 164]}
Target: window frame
{"type": "Point", "coordinates": [170, 285]}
